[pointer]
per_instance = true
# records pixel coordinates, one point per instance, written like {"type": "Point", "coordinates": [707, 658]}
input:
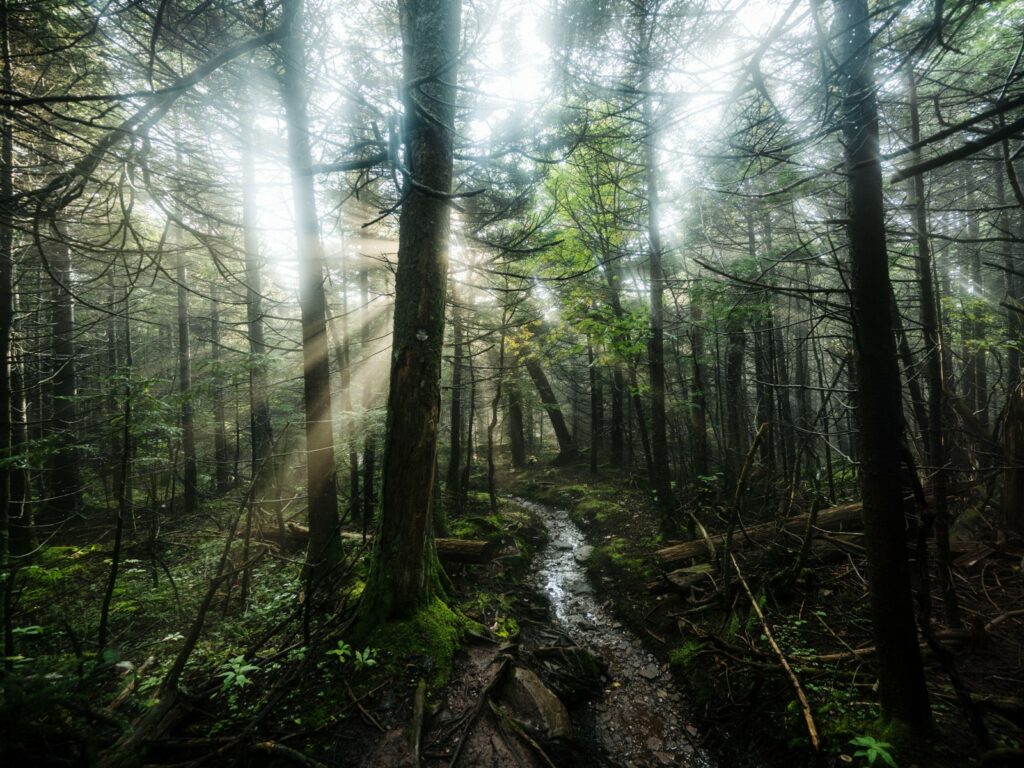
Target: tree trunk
{"type": "Point", "coordinates": [734, 394]}
{"type": "Point", "coordinates": [935, 437]}
{"type": "Point", "coordinates": [403, 575]}
{"type": "Point", "coordinates": [467, 467]}
{"type": "Point", "coordinates": [324, 545]}
{"type": "Point", "coordinates": [190, 490]}
{"type": "Point", "coordinates": [455, 440]}
{"type": "Point", "coordinates": [517, 438]}
{"type": "Point", "coordinates": [659, 468]}
{"type": "Point", "coordinates": [368, 493]}
{"type": "Point", "coordinates": [499, 371]}
{"type": "Point", "coordinates": [63, 465]}
{"type": "Point", "coordinates": [596, 408]}
{"type": "Point", "coordinates": [6, 323]}
{"type": "Point", "coordinates": [617, 429]}
{"type": "Point", "coordinates": [698, 408]}
{"type": "Point", "coordinates": [566, 446]}
{"type": "Point", "coordinates": [904, 696]}
{"type": "Point", "coordinates": [221, 458]}
{"type": "Point", "coordinates": [260, 425]}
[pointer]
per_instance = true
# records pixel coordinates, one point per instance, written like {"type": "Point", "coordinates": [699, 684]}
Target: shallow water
{"type": "Point", "coordinates": [641, 719]}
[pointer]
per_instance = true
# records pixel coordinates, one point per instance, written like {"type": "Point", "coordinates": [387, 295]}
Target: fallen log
{"type": "Point", "coordinates": [464, 550]}
{"type": "Point", "coordinates": [845, 515]}
{"type": "Point", "coordinates": [477, 551]}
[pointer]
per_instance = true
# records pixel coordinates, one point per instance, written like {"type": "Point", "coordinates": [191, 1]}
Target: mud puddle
{"type": "Point", "coordinates": [640, 720]}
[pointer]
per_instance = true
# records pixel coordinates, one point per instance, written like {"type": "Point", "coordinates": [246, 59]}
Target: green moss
{"type": "Point", "coordinates": [598, 510]}
{"type": "Point", "coordinates": [682, 658]}
{"type": "Point", "coordinates": [618, 559]}
{"type": "Point", "coordinates": [431, 637]}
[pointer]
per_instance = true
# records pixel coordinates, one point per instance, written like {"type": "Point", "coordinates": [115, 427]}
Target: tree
{"type": "Point", "coordinates": [324, 544]}
{"type": "Point", "coordinates": [903, 693]}
{"type": "Point", "coordinates": [403, 576]}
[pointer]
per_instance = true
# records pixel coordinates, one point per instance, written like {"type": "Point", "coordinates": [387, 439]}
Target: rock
{"type": "Point", "coordinates": [583, 553]}
{"type": "Point", "coordinates": [665, 758]}
{"type": "Point", "coordinates": [581, 587]}
{"type": "Point", "coordinates": [534, 703]}
{"type": "Point", "coordinates": [651, 672]}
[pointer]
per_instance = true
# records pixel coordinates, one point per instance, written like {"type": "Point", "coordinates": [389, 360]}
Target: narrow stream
{"type": "Point", "coordinates": [641, 719]}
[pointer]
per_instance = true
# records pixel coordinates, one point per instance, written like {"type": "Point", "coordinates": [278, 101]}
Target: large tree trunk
{"type": "Point", "coordinates": [324, 545]}
{"type": "Point", "coordinates": [403, 577]}
{"type": "Point", "coordinates": [566, 446]}
{"type": "Point", "coordinates": [904, 696]}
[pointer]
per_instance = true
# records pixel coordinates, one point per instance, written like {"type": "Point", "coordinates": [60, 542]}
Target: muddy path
{"type": "Point", "coordinates": [640, 719]}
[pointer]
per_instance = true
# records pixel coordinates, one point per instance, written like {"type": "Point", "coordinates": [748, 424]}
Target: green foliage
{"type": "Point", "coordinates": [235, 673]}
{"type": "Point", "coordinates": [342, 652]}
{"type": "Point", "coordinates": [365, 658]}
{"type": "Point", "coordinates": [873, 751]}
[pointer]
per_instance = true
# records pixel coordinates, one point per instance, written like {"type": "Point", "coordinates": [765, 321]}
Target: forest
{"type": "Point", "coordinates": [466, 383]}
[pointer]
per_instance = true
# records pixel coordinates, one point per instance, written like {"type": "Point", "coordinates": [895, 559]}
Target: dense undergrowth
{"type": "Point", "coordinates": [818, 614]}
{"type": "Point", "coordinates": [263, 663]}
{"type": "Point", "coordinates": [279, 666]}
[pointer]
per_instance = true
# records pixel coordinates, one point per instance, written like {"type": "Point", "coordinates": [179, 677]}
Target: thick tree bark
{"type": "Point", "coordinates": [567, 451]}
{"type": "Point", "coordinates": [324, 545]}
{"type": "Point", "coordinates": [904, 696]}
{"type": "Point", "coordinates": [403, 575]}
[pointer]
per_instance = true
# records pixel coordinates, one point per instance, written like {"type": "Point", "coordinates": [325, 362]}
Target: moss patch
{"type": "Point", "coordinates": [429, 639]}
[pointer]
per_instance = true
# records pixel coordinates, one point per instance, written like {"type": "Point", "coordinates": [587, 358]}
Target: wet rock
{"type": "Point", "coordinates": [581, 588]}
{"type": "Point", "coordinates": [534, 703]}
{"type": "Point", "coordinates": [651, 672]}
{"type": "Point", "coordinates": [584, 553]}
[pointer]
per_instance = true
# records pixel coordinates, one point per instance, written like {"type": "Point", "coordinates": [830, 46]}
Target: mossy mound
{"type": "Point", "coordinates": [428, 639]}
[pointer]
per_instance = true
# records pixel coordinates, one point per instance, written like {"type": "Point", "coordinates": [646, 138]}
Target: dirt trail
{"type": "Point", "coordinates": [641, 719]}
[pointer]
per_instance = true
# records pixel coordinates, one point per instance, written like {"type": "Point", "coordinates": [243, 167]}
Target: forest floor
{"type": "Point", "coordinates": [744, 703]}
{"type": "Point", "coordinates": [569, 647]}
